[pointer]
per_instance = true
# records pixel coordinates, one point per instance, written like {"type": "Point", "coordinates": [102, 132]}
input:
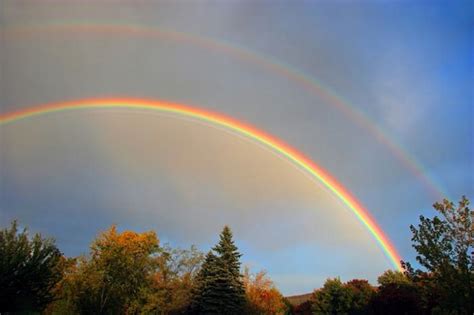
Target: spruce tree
{"type": "Point", "coordinates": [203, 301]}
{"type": "Point", "coordinates": [232, 288]}
{"type": "Point", "coordinates": [219, 285]}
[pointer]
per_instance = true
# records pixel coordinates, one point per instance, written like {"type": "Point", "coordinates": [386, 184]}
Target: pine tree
{"type": "Point", "coordinates": [219, 284]}
{"type": "Point", "coordinates": [233, 292]}
{"type": "Point", "coordinates": [202, 299]}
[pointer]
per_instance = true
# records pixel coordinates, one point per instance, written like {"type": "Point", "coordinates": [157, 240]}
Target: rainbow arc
{"type": "Point", "coordinates": [270, 64]}
{"type": "Point", "coordinates": [239, 127]}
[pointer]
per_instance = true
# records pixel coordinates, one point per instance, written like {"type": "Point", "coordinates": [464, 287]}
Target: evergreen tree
{"type": "Point", "coordinates": [201, 303]}
{"type": "Point", "coordinates": [220, 289]}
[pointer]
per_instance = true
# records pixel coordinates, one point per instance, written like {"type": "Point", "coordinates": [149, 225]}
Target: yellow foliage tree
{"type": "Point", "coordinates": [262, 295]}
{"type": "Point", "coordinates": [115, 277]}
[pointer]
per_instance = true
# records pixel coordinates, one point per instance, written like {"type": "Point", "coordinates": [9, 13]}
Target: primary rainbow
{"type": "Point", "coordinates": [277, 145]}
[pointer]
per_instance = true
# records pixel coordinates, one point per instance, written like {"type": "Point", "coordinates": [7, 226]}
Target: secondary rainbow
{"type": "Point", "coordinates": [310, 84]}
{"type": "Point", "coordinates": [257, 135]}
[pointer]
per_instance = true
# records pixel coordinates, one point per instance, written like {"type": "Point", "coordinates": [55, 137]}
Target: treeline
{"type": "Point", "coordinates": [129, 273]}
{"type": "Point", "coordinates": [132, 273]}
{"type": "Point", "coordinates": [445, 285]}
{"type": "Point", "coordinates": [395, 294]}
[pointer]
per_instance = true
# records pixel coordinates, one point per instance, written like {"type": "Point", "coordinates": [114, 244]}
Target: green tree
{"type": "Point", "coordinates": [204, 301]}
{"type": "Point", "coordinates": [393, 277]}
{"type": "Point", "coordinates": [220, 289]}
{"type": "Point", "coordinates": [29, 269]}
{"type": "Point", "coordinates": [332, 298]}
{"type": "Point", "coordinates": [445, 247]}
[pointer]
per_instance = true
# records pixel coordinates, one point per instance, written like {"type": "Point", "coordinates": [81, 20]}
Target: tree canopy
{"type": "Point", "coordinates": [445, 247]}
{"type": "Point", "coordinates": [173, 281]}
{"type": "Point", "coordinates": [130, 273]}
{"type": "Point", "coordinates": [29, 269]}
{"type": "Point", "coordinates": [113, 279]}
{"type": "Point", "coordinates": [263, 297]}
{"type": "Point", "coordinates": [332, 298]}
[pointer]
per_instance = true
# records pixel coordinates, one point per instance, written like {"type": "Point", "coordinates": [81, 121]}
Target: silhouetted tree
{"type": "Point", "coordinates": [395, 299]}
{"type": "Point", "coordinates": [29, 269]}
{"type": "Point", "coordinates": [396, 294]}
{"type": "Point", "coordinates": [302, 309]}
{"type": "Point", "coordinates": [445, 248]}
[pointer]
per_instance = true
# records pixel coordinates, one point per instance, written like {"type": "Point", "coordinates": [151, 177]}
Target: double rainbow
{"type": "Point", "coordinates": [250, 132]}
{"type": "Point", "coordinates": [310, 84]}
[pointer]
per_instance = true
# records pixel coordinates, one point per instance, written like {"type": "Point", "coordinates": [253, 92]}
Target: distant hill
{"type": "Point", "coordinates": [296, 300]}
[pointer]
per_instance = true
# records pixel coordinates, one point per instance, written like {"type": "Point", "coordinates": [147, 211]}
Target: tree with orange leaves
{"type": "Point", "coordinates": [262, 295]}
{"type": "Point", "coordinates": [112, 281]}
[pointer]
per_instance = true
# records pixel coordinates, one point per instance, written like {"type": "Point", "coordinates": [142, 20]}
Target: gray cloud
{"type": "Point", "coordinates": [74, 172]}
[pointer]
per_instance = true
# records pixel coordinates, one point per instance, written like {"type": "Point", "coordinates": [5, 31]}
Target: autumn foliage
{"type": "Point", "coordinates": [132, 273]}
{"type": "Point", "coordinates": [262, 295]}
{"type": "Point", "coordinates": [113, 279]}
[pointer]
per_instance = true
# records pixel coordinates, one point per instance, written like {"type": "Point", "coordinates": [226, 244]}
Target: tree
{"type": "Point", "coordinates": [173, 280]}
{"type": "Point", "coordinates": [262, 295]}
{"type": "Point", "coordinates": [393, 277]}
{"type": "Point", "coordinates": [445, 247]}
{"type": "Point", "coordinates": [29, 269]}
{"type": "Point", "coordinates": [336, 297]}
{"type": "Point", "coordinates": [394, 299]}
{"type": "Point", "coordinates": [362, 294]}
{"type": "Point", "coordinates": [203, 301]}
{"type": "Point", "coordinates": [219, 283]}
{"type": "Point", "coordinates": [64, 292]}
{"type": "Point", "coordinates": [396, 294]}
{"type": "Point", "coordinates": [302, 309]}
{"type": "Point", "coordinates": [230, 257]}
{"type": "Point", "coordinates": [332, 298]}
{"type": "Point", "coordinates": [116, 276]}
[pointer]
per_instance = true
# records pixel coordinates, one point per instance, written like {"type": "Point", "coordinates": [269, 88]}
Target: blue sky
{"type": "Point", "coordinates": [407, 66]}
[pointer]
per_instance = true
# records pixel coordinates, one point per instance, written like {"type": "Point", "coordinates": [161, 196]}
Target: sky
{"type": "Point", "coordinates": [378, 93]}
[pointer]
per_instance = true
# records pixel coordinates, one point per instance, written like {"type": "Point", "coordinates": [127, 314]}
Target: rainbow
{"type": "Point", "coordinates": [241, 128]}
{"type": "Point", "coordinates": [310, 84]}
